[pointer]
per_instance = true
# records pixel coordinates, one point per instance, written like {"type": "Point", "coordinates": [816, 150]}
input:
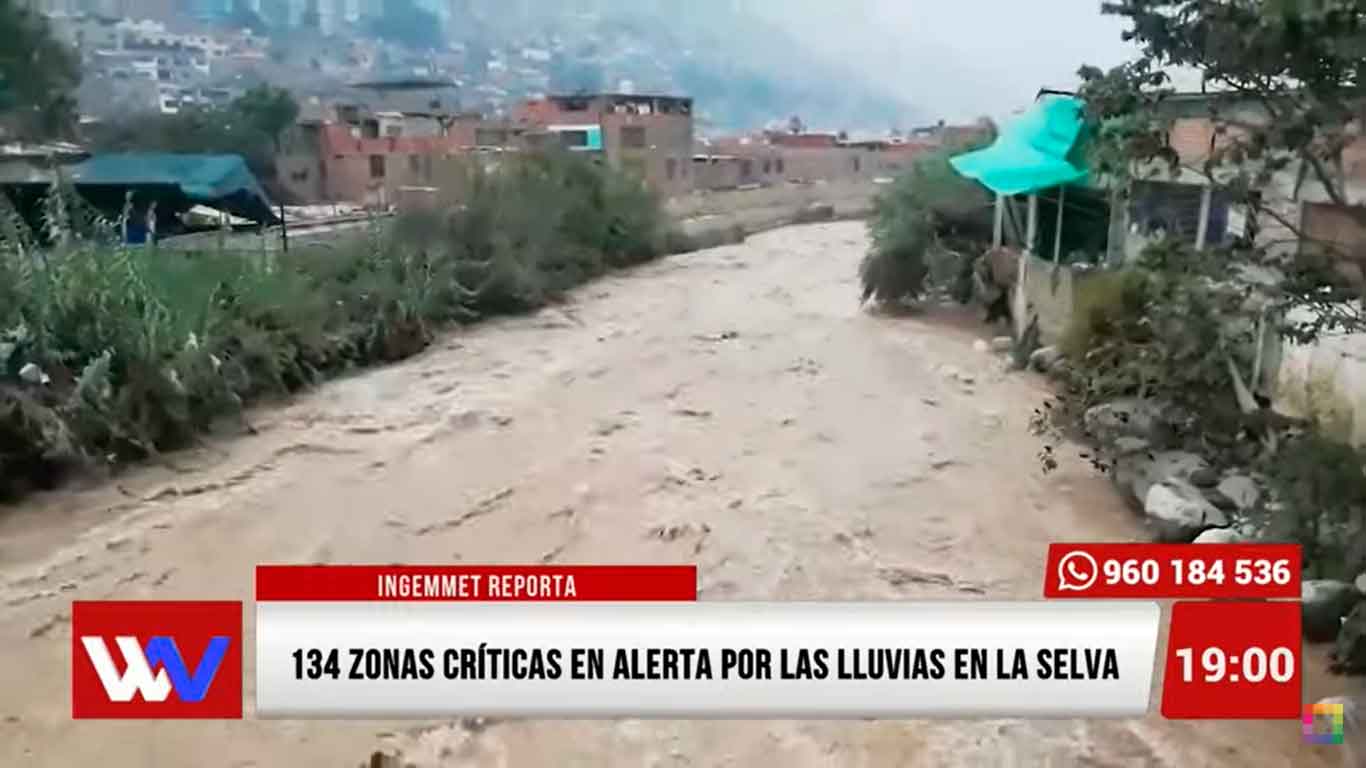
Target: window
{"type": "Point", "coordinates": [574, 138]}
{"type": "Point", "coordinates": [670, 168]}
{"type": "Point", "coordinates": [633, 136]}
{"type": "Point", "coordinates": [746, 169]}
{"type": "Point", "coordinates": [858, 164]}
{"type": "Point", "coordinates": [779, 166]}
{"type": "Point", "coordinates": [377, 166]}
{"type": "Point", "coordinates": [414, 164]}
{"type": "Point", "coordinates": [369, 129]}
{"type": "Point", "coordinates": [768, 167]}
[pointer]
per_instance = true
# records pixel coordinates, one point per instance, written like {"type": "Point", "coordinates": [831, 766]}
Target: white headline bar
{"type": "Point", "coordinates": [705, 660]}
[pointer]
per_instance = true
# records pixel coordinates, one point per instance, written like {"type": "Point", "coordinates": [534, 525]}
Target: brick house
{"type": "Point", "coordinates": [776, 158]}
{"type": "Point", "coordinates": [350, 153]}
{"type": "Point", "coordinates": [651, 136]}
{"type": "Point", "coordinates": [1185, 203]}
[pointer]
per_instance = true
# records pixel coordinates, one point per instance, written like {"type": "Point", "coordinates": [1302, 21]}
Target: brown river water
{"type": "Point", "coordinates": [732, 408]}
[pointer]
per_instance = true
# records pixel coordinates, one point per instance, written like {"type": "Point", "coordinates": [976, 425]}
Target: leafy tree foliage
{"type": "Point", "coordinates": [1283, 90]}
{"type": "Point", "coordinates": [927, 213]}
{"type": "Point", "coordinates": [250, 126]}
{"type": "Point", "coordinates": [38, 74]}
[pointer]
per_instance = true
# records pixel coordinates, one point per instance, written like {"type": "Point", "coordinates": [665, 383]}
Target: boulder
{"type": "Point", "coordinates": [32, 374]}
{"type": "Point", "coordinates": [981, 346]}
{"type": "Point", "coordinates": [1238, 492]}
{"type": "Point", "coordinates": [1204, 477]}
{"type": "Point", "coordinates": [1127, 446]}
{"type": "Point", "coordinates": [815, 212]}
{"type": "Point", "coordinates": [1044, 358]}
{"type": "Point", "coordinates": [1002, 344]}
{"type": "Point", "coordinates": [1178, 511]}
{"type": "Point", "coordinates": [1220, 536]}
{"type": "Point", "coordinates": [1349, 650]}
{"type": "Point", "coordinates": [1135, 473]}
{"type": "Point", "coordinates": [1323, 603]}
{"type": "Point", "coordinates": [1128, 417]}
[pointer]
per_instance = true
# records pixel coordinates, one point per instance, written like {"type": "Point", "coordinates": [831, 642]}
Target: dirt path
{"type": "Point", "coordinates": [731, 408]}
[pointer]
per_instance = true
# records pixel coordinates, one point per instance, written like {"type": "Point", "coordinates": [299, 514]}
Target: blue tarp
{"type": "Point", "coordinates": [177, 182]}
{"type": "Point", "coordinates": [1032, 153]}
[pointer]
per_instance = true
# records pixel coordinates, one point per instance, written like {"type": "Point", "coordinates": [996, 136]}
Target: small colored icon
{"type": "Point", "coordinates": [1077, 572]}
{"type": "Point", "coordinates": [1324, 723]}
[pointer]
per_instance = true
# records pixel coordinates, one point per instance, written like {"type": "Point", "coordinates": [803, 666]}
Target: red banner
{"type": "Point", "coordinates": [485, 583]}
{"type": "Point", "coordinates": [1233, 661]}
{"type": "Point", "coordinates": [1149, 571]}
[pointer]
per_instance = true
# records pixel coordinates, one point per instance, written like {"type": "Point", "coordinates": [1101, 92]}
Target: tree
{"type": "Point", "coordinates": [268, 110]}
{"type": "Point", "coordinates": [1282, 85]}
{"type": "Point", "coordinates": [38, 75]}
{"type": "Point", "coordinates": [1285, 94]}
{"type": "Point", "coordinates": [251, 126]}
{"type": "Point", "coordinates": [795, 125]}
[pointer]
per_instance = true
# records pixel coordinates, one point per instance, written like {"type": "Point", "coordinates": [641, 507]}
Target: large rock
{"type": "Point", "coordinates": [1136, 472]}
{"type": "Point", "coordinates": [1349, 651]}
{"type": "Point", "coordinates": [1002, 344]}
{"type": "Point", "coordinates": [1178, 512]}
{"type": "Point", "coordinates": [1237, 492]}
{"type": "Point", "coordinates": [1220, 536]}
{"type": "Point", "coordinates": [1323, 603]}
{"type": "Point", "coordinates": [1129, 417]}
{"type": "Point", "coordinates": [815, 212]}
{"type": "Point", "coordinates": [1044, 358]}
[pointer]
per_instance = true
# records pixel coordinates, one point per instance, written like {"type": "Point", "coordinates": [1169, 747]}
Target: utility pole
{"type": "Point", "coordinates": [284, 230]}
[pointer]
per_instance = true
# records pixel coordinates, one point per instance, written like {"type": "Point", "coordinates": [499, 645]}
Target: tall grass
{"type": "Point", "coordinates": [140, 350]}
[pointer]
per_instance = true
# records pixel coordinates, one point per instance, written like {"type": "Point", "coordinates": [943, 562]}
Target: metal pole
{"type": "Point", "coordinates": [1032, 232]}
{"type": "Point", "coordinates": [1057, 228]}
{"type": "Point", "coordinates": [284, 230]}
{"type": "Point", "coordinates": [998, 232]}
{"type": "Point", "coordinates": [1202, 232]}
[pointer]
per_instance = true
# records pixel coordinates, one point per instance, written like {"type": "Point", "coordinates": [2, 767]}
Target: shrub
{"type": "Point", "coordinates": [145, 349]}
{"type": "Point", "coordinates": [925, 205]}
{"type": "Point", "coordinates": [1105, 301]}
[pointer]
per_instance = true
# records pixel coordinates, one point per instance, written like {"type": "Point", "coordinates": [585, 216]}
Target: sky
{"type": "Point", "coordinates": [958, 59]}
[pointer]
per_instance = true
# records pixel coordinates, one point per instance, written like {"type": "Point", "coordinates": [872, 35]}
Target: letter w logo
{"type": "Point", "coordinates": [138, 676]}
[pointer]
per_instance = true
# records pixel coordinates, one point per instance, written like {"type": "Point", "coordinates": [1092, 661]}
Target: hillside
{"type": "Point", "coordinates": [742, 70]}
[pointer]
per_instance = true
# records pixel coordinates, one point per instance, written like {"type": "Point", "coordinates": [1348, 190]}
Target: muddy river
{"type": "Point", "coordinates": [732, 408]}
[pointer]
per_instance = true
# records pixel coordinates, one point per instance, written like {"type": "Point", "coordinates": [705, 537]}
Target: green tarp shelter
{"type": "Point", "coordinates": [1031, 154]}
{"type": "Point", "coordinates": [176, 182]}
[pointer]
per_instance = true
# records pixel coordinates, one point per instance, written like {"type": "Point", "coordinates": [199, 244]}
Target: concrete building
{"type": "Point", "coordinates": [777, 158]}
{"type": "Point", "coordinates": [649, 136]}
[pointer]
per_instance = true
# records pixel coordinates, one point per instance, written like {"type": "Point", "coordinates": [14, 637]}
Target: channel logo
{"type": "Point", "coordinates": [156, 660]}
{"type": "Point", "coordinates": [1324, 724]}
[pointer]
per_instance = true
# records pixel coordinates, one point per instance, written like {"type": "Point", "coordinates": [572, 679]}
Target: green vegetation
{"type": "Point", "coordinates": [38, 75]}
{"type": "Point", "coordinates": [929, 216]}
{"type": "Point", "coordinates": [251, 126]}
{"type": "Point", "coordinates": [1183, 327]}
{"type": "Point", "coordinates": [110, 353]}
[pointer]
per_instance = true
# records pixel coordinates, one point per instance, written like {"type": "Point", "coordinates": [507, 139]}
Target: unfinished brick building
{"type": "Point", "coordinates": [650, 136]}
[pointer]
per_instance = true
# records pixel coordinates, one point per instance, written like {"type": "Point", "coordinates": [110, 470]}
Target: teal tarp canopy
{"type": "Point", "coordinates": [177, 182]}
{"type": "Point", "coordinates": [1032, 153]}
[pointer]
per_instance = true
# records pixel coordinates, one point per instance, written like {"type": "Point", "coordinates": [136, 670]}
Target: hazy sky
{"type": "Point", "coordinates": [959, 59]}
